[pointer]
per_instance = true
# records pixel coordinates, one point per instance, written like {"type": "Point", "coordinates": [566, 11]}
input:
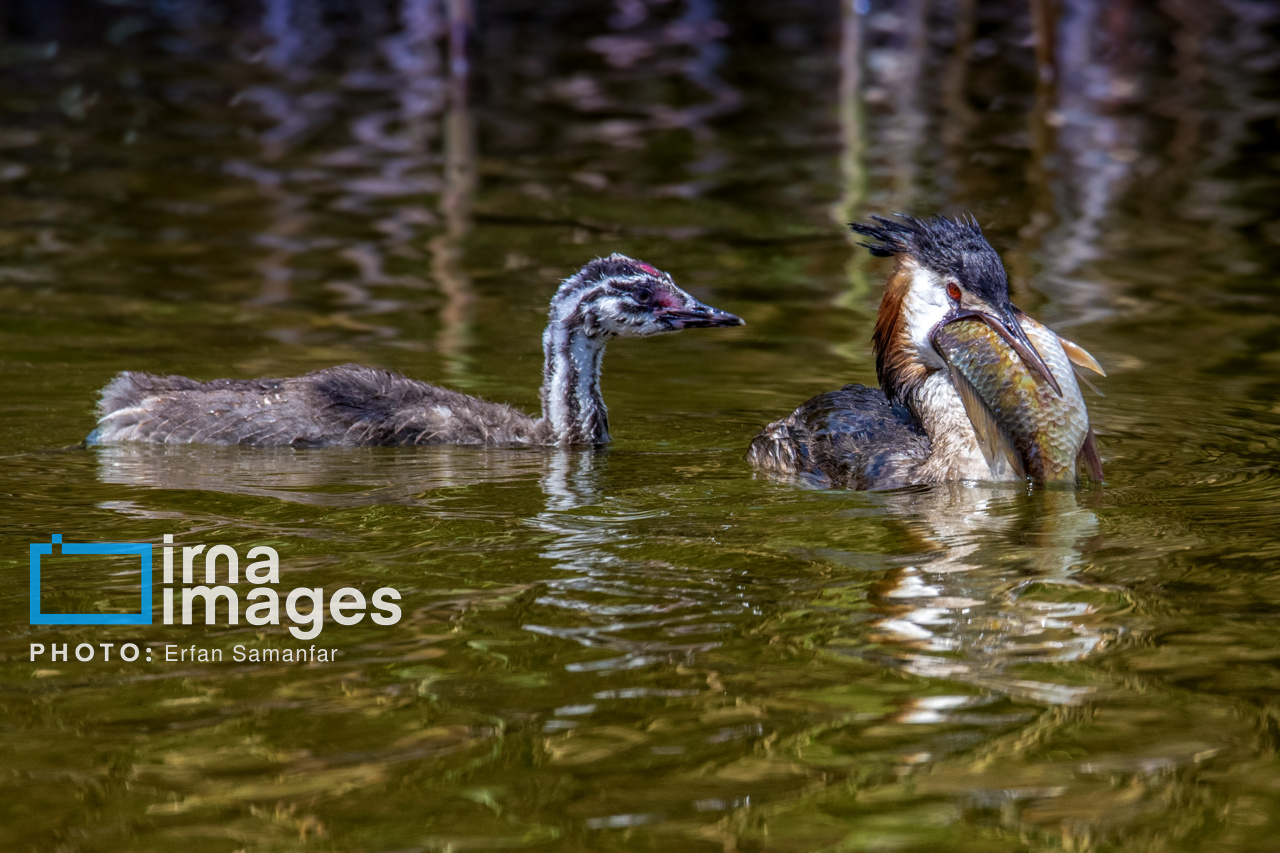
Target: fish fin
{"type": "Point", "coordinates": [1089, 453]}
{"type": "Point", "coordinates": [1076, 354]}
{"type": "Point", "coordinates": [995, 445]}
{"type": "Point", "coordinates": [1092, 387]}
{"type": "Point", "coordinates": [1080, 357]}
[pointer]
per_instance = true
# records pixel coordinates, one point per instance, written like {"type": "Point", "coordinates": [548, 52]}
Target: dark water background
{"type": "Point", "coordinates": [646, 648]}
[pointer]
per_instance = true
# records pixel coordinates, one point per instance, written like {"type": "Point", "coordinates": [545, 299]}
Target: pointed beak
{"type": "Point", "coordinates": [1004, 322]}
{"type": "Point", "coordinates": [695, 315]}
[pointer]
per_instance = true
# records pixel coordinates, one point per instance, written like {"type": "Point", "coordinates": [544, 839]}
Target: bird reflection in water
{"type": "Point", "coordinates": [637, 611]}
{"type": "Point", "coordinates": [319, 477]}
{"type": "Point", "coordinates": [965, 613]}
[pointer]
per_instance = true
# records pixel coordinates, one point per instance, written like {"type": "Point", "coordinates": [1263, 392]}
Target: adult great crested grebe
{"type": "Point", "coordinates": [353, 405]}
{"type": "Point", "coordinates": [965, 391]}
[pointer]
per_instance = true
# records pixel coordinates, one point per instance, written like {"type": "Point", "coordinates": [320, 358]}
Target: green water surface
{"type": "Point", "coordinates": [646, 647]}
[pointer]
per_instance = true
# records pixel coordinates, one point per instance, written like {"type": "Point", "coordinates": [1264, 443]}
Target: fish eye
{"type": "Point", "coordinates": [953, 291]}
{"type": "Point", "coordinates": [643, 295]}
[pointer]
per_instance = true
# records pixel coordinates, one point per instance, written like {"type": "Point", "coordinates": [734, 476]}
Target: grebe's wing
{"type": "Point", "coordinates": [853, 438]}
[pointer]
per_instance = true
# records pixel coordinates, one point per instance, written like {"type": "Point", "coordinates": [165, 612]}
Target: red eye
{"type": "Point", "coordinates": [953, 291]}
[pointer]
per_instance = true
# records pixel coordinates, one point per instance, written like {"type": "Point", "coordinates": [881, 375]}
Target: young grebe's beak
{"type": "Point", "coordinates": [696, 315]}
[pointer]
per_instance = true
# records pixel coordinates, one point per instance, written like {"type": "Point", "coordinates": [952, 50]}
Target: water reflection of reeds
{"type": "Point", "coordinates": [366, 139]}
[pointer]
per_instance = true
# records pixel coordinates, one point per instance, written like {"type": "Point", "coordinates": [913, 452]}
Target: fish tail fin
{"type": "Point", "coordinates": [1080, 357]}
{"type": "Point", "coordinates": [1089, 453]}
{"type": "Point", "coordinates": [1092, 387]}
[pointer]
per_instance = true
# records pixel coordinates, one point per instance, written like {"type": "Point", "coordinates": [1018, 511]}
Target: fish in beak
{"type": "Point", "coordinates": [1019, 420]}
{"type": "Point", "coordinates": [1004, 322]}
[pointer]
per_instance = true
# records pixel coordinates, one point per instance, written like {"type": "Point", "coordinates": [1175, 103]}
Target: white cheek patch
{"type": "Point", "coordinates": [622, 319]}
{"type": "Point", "coordinates": [925, 306]}
{"type": "Point", "coordinates": [610, 315]}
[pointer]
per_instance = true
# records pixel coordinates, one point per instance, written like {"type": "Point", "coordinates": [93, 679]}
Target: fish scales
{"type": "Point", "coordinates": [1045, 431]}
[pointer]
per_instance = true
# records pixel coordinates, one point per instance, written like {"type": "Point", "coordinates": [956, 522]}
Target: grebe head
{"type": "Point", "coordinates": [946, 271]}
{"type": "Point", "coordinates": [618, 296]}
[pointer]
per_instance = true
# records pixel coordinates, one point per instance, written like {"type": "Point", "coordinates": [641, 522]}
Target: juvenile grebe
{"type": "Point", "coordinates": [361, 406]}
{"type": "Point", "coordinates": [919, 426]}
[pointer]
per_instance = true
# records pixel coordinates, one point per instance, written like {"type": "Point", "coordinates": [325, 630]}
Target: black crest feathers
{"type": "Point", "coordinates": [953, 247]}
{"type": "Point", "coordinates": [920, 237]}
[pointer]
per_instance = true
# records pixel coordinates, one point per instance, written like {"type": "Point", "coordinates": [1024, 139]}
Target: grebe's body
{"type": "Point", "coordinates": [346, 405]}
{"type": "Point", "coordinates": [927, 423]}
{"type": "Point", "coordinates": [858, 438]}
{"type": "Point", "coordinates": [363, 406]}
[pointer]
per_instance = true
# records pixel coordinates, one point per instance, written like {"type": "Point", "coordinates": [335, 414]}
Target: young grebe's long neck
{"type": "Point", "coordinates": [572, 404]}
{"type": "Point", "coordinates": [609, 297]}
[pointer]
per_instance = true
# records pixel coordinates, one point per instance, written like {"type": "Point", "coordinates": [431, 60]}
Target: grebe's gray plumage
{"type": "Point", "coordinates": [916, 427]}
{"type": "Point", "coordinates": [354, 405]}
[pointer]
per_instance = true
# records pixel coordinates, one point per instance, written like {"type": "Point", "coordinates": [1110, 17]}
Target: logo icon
{"type": "Point", "coordinates": [115, 549]}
